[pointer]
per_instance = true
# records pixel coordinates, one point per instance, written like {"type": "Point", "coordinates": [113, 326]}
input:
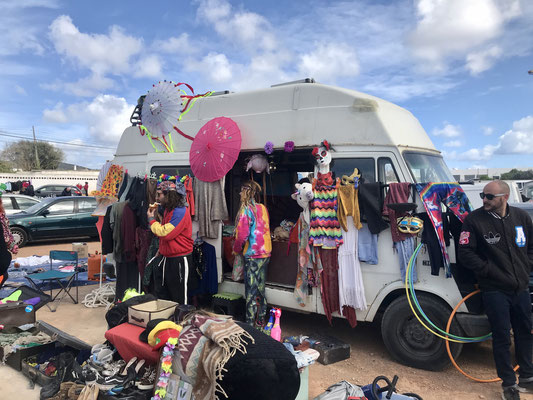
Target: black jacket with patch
{"type": "Point", "coordinates": [499, 251]}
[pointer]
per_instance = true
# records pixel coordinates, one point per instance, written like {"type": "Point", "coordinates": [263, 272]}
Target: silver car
{"type": "Point", "coordinates": [15, 203]}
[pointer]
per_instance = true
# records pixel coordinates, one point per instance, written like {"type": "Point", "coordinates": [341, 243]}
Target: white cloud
{"type": "Point", "coordinates": [453, 143]}
{"type": "Point", "coordinates": [85, 87]}
{"type": "Point", "coordinates": [487, 130]}
{"type": "Point", "coordinates": [97, 52]}
{"type": "Point", "coordinates": [215, 66]}
{"type": "Point", "coordinates": [448, 131]}
{"type": "Point", "coordinates": [329, 61]}
{"type": "Point", "coordinates": [149, 66]}
{"type": "Point", "coordinates": [480, 61]}
{"type": "Point", "coordinates": [180, 45]}
{"type": "Point", "coordinates": [403, 87]}
{"type": "Point", "coordinates": [20, 90]}
{"type": "Point", "coordinates": [106, 116]}
{"type": "Point", "coordinates": [242, 28]}
{"type": "Point", "coordinates": [454, 29]}
{"type": "Point", "coordinates": [518, 140]}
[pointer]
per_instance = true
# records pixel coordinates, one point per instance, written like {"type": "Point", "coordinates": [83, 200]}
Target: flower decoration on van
{"type": "Point", "coordinates": [289, 146]}
{"type": "Point", "coordinates": [269, 147]}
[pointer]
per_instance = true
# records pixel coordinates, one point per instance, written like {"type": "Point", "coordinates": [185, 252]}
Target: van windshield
{"type": "Point", "coordinates": [427, 167]}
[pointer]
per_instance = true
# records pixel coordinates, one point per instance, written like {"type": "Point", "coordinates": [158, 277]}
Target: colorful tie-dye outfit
{"type": "Point", "coordinates": [252, 238]}
{"type": "Point", "coordinates": [451, 194]}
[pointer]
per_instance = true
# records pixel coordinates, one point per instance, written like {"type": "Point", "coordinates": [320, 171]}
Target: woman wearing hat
{"type": "Point", "coordinates": [252, 239]}
{"type": "Point", "coordinates": [171, 271]}
{"type": "Point", "coordinates": [7, 244]}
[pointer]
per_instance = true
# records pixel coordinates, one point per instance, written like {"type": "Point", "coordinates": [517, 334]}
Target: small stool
{"type": "Point", "coordinates": [229, 304]}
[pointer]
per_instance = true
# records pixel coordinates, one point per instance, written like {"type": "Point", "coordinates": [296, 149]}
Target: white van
{"type": "Point", "coordinates": [383, 140]}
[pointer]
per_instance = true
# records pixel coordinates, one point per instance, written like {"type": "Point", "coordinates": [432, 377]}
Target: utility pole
{"type": "Point", "coordinates": [37, 163]}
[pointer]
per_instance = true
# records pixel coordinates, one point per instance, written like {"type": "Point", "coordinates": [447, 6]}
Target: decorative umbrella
{"type": "Point", "coordinates": [215, 149]}
{"type": "Point", "coordinates": [161, 108]}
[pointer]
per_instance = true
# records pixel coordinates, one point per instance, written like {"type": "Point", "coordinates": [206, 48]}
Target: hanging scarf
{"type": "Point", "coordinates": [451, 194]}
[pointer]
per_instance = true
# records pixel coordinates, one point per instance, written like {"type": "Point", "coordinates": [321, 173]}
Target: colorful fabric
{"type": "Point", "coordinates": [398, 193]}
{"type": "Point", "coordinates": [329, 279]}
{"type": "Point", "coordinates": [325, 230]}
{"type": "Point", "coordinates": [8, 236]}
{"type": "Point", "coordinates": [252, 233]}
{"type": "Point", "coordinates": [205, 345]}
{"type": "Point", "coordinates": [451, 194]}
{"type": "Point", "coordinates": [175, 233]}
{"type": "Point", "coordinates": [349, 206]}
{"type": "Point", "coordinates": [301, 288]}
{"type": "Point", "coordinates": [255, 271]}
{"type": "Point", "coordinates": [111, 183]}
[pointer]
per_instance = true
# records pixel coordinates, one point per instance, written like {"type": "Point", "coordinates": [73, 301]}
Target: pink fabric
{"type": "Point", "coordinates": [398, 193]}
{"type": "Point", "coordinates": [125, 337]}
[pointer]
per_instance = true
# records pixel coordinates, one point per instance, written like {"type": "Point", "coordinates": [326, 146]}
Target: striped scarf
{"type": "Point", "coordinates": [325, 230]}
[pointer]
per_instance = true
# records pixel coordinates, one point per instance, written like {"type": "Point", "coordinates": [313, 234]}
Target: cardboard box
{"type": "Point", "coordinates": [82, 249]}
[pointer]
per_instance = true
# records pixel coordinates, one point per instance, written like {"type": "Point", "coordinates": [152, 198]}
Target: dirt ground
{"type": "Point", "coordinates": [369, 357]}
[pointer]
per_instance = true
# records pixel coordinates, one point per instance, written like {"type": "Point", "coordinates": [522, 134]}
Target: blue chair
{"type": "Point", "coordinates": [65, 280]}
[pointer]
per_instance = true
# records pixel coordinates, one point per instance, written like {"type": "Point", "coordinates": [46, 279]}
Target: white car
{"type": "Point", "coordinates": [473, 191]}
{"type": "Point", "coordinates": [15, 203]}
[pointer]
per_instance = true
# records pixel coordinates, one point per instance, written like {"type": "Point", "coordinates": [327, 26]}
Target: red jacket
{"type": "Point", "coordinates": [175, 233]}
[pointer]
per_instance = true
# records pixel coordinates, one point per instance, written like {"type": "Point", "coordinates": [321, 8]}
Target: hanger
{"type": "Point", "coordinates": [199, 240]}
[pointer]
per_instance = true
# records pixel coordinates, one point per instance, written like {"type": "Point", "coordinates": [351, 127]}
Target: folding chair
{"type": "Point", "coordinates": [58, 276]}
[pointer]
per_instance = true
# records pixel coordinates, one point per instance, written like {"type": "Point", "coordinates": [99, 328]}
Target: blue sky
{"type": "Point", "coordinates": [74, 69]}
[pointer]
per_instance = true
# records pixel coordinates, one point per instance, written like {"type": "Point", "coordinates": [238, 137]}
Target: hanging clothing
{"type": "Point", "coordinates": [325, 230]}
{"type": "Point", "coordinates": [305, 264]}
{"type": "Point", "coordinates": [349, 206]}
{"type": "Point", "coordinates": [5, 256]}
{"type": "Point", "coordinates": [367, 246]}
{"type": "Point", "coordinates": [190, 195]}
{"type": "Point", "coordinates": [398, 193]}
{"type": "Point", "coordinates": [126, 181]}
{"type": "Point", "coordinates": [209, 279]}
{"type": "Point", "coordinates": [127, 227]}
{"type": "Point", "coordinates": [451, 194]}
{"type": "Point", "coordinates": [431, 241]}
{"type": "Point", "coordinates": [102, 174]}
{"type": "Point", "coordinates": [111, 183]}
{"type": "Point", "coordinates": [351, 289]}
{"type": "Point", "coordinates": [107, 233]}
{"type": "Point", "coordinates": [115, 221]}
{"type": "Point", "coordinates": [147, 279]}
{"type": "Point", "coordinates": [405, 249]}
{"type": "Point", "coordinates": [151, 190]}
{"type": "Point", "coordinates": [371, 204]}
{"type": "Point", "coordinates": [143, 238]}
{"type": "Point", "coordinates": [210, 207]}
{"type": "Point", "coordinates": [329, 279]}
{"type": "Point", "coordinates": [127, 277]}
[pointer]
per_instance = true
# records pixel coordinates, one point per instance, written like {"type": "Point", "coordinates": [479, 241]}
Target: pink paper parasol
{"type": "Point", "coordinates": [215, 149]}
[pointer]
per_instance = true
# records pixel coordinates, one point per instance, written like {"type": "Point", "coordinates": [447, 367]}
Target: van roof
{"type": "Point", "coordinates": [305, 113]}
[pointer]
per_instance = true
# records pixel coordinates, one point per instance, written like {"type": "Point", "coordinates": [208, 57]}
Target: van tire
{"type": "Point", "coordinates": [409, 343]}
{"type": "Point", "coordinates": [20, 235]}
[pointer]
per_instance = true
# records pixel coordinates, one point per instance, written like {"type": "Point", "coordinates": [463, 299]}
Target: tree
{"type": "Point", "coordinates": [484, 178]}
{"type": "Point", "coordinates": [22, 155]}
{"type": "Point", "coordinates": [5, 166]}
{"type": "Point", "coordinates": [516, 174]}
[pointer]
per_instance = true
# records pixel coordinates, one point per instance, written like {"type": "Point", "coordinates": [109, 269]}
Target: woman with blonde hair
{"type": "Point", "coordinates": [7, 243]}
{"type": "Point", "coordinates": [252, 239]}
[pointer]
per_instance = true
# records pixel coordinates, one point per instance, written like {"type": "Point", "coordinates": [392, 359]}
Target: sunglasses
{"type": "Point", "coordinates": [490, 196]}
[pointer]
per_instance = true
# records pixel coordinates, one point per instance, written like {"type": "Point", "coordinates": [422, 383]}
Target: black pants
{"type": "Point", "coordinates": [507, 310]}
{"type": "Point", "coordinates": [174, 278]}
{"type": "Point", "coordinates": [127, 278]}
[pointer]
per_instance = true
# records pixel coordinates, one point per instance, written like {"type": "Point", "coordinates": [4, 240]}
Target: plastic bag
{"type": "Point", "coordinates": [238, 268]}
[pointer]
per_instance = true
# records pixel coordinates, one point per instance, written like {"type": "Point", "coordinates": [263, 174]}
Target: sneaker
{"type": "Point", "coordinates": [113, 368]}
{"type": "Point", "coordinates": [110, 382]}
{"type": "Point", "coordinates": [510, 393]}
{"type": "Point", "coordinates": [525, 385]}
{"type": "Point", "coordinates": [148, 379]}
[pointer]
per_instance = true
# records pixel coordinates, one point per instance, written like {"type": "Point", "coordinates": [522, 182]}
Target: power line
{"type": "Point", "coordinates": [11, 134]}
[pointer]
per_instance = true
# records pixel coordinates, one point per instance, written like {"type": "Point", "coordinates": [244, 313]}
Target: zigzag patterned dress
{"type": "Point", "coordinates": [325, 229]}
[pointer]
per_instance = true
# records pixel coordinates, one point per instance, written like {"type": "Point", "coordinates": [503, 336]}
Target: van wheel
{"type": "Point", "coordinates": [409, 343]}
{"type": "Point", "coordinates": [20, 236]}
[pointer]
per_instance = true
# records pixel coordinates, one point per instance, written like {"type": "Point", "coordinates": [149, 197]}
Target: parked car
{"type": "Point", "coordinates": [55, 218]}
{"type": "Point", "coordinates": [15, 203]}
{"type": "Point", "coordinates": [56, 190]}
{"type": "Point", "coordinates": [527, 207]}
{"type": "Point", "coordinates": [473, 191]}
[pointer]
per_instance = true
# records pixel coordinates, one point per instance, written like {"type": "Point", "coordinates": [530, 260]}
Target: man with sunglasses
{"type": "Point", "coordinates": [497, 244]}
